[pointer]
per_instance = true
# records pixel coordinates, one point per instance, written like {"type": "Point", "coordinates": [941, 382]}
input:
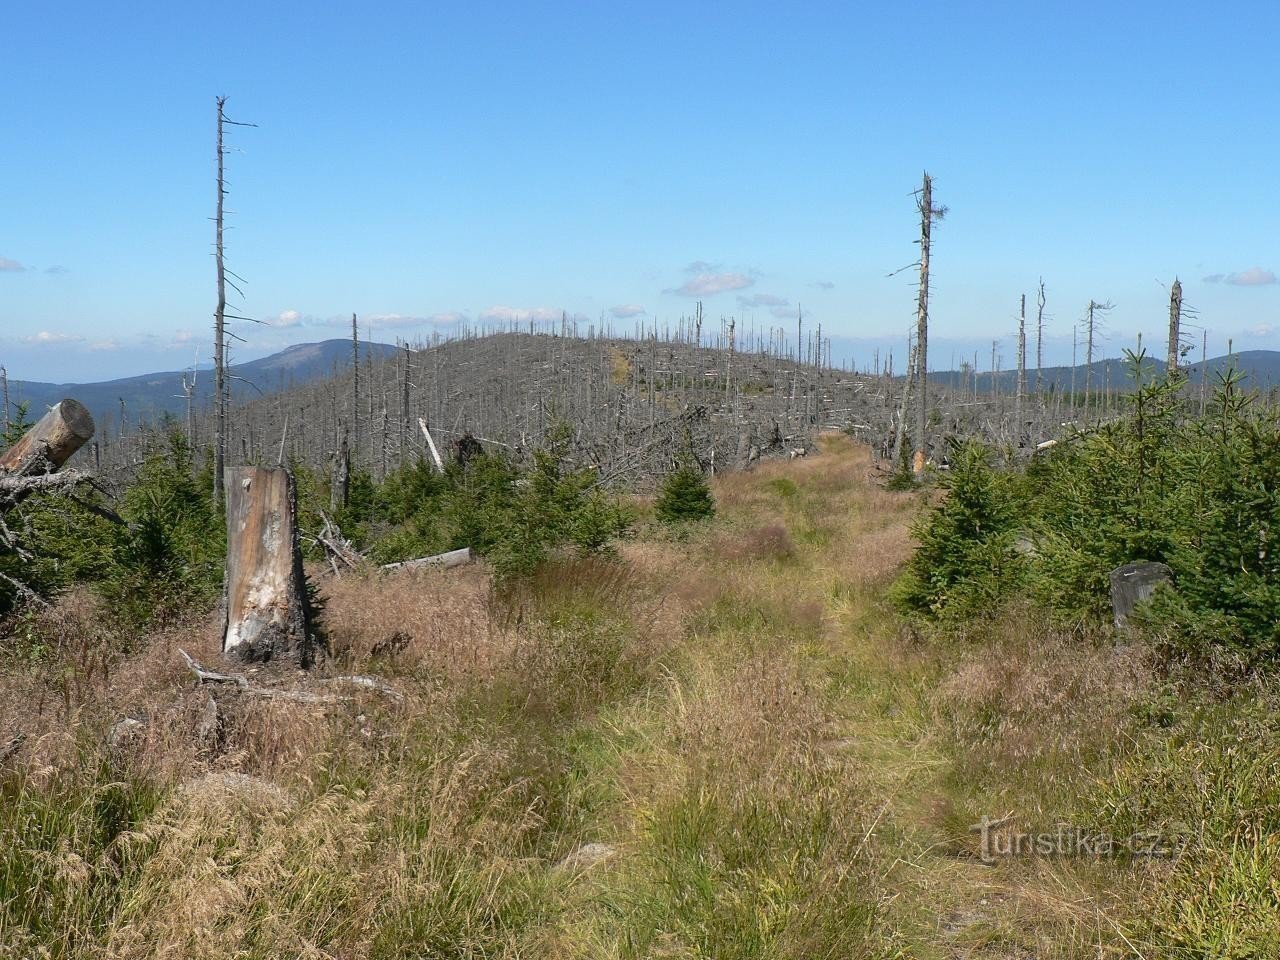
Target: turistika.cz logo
{"type": "Point", "coordinates": [997, 840]}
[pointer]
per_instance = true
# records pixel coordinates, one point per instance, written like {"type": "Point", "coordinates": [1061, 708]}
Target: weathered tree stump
{"type": "Point", "coordinates": [51, 442]}
{"type": "Point", "coordinates": [1132, 583]}
{"type": "Point", "coordinates": [266, 596]}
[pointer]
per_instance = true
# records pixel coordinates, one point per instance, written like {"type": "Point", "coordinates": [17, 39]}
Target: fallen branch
{"type": "Point", "coordinates": [454, 558]}
{"type": "Point", "coordinates": [16, 488]}
{"type": "Point", "coordinates": [370, 683]}
{"type": "Point", "coordinates": [243, 685]}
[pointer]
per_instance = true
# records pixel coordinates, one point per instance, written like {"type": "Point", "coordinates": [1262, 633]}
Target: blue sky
{"type": "Point", "coordinates": [419, 162]}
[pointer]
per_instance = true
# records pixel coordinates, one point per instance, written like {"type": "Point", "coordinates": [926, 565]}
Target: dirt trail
{"type": "Point", "coordinates": [942, 900]}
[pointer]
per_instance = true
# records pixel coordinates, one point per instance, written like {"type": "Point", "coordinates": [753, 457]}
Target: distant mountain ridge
{"type": "Point", "coordinates": [151, 395]}
{"type": "Point", "coordinates": [1261, 369]}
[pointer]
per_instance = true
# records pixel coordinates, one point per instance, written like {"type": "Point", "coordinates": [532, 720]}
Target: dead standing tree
{"type": "Point", "coordinates": [1175, 326]}
{"type": "Point", "coordinates": [1093, 322]}
{"type": "Point", "coordinates": [220, 315]}
{"type": "Point", "coordinates": [928, 214]}
{"type": "Point", "coordinates": [1020, 396]}
{"type": "Point", "coordinates": [267, 614]}
{"type": "Point", "coordinates": [1040, 301]}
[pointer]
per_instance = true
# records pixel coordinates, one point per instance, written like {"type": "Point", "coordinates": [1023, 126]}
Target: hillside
{"type": "Point", "coordinates": [151, 395]}
{"type": "Point", "coordinates": [630, 407]}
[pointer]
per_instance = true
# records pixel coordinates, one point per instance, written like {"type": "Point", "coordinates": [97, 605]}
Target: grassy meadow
{"type": "Point", "coordinates": [718, 741]}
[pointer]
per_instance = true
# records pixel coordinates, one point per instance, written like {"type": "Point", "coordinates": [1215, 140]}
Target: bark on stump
{"type": "Point", "coordinates": [266, 596]}
{"type": "Point", "coordinates": [51, 442]}
{"type": "Point", "coordinates": [1132, 583]}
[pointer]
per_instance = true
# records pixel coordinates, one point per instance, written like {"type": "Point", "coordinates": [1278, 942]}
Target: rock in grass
{"type": "Point", "coordinates": [1132, 583]}
{"type": "Point", "coordinates": [587, 856]}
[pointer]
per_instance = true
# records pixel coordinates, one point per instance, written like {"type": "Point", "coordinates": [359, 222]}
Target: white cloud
{"type": "Point", "coordinates": [1253, 277]}
{"type": "Point", "coordinates": [764, 300]}
{"type": "Point", "coordinates": [398, 321]}
{"type": "Point", "coordinates": [46, 337]}
{"type": "Point", "coordinates": [1262, 330]}
{"type": "Point", "coordinates": [625, 311]}
{"type": "Point", "coordinates": [708, 279]}
{"type": "Point", "coordinates": [10, 266]}
{"type": "Point", "coordinates": [502, 314]}
{"type": "Point", "coordinates": [104, 345]}
{"type": "Point", "coordinates": [285, 318]}
{"type": "Point", "coordinates": [447, 318]}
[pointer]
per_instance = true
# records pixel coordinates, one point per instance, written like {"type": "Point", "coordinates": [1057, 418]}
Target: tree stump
{"type": "Point", "coordinates": [1132, 583]}
{"type": "Point", "coordinates": [266, 596]}
{"type": "Point", "coordinates": [51, 442]}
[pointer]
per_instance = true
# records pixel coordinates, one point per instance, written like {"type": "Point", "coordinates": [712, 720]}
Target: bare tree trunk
{"type": "Point", "coordinates": [921, 365]}
{"type": "Point", "coordinates": [355, 390]}
{"type": "Point", "coordinates": [1040, 338]}
{"type": "Point", "coordinates": [219, 333]}
{"type": "Point", "coordinates": [340, 482]}
{"type": "Point", "coordinates": [1175, 326]}
{"type": "Point", "coordinates": [51, 442]}
{"type": "Point", "coordinates": [1022, 366]}
{"type": "Point", "coordinates": [266, 597]}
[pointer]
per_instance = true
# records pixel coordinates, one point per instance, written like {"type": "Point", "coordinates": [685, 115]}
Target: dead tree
{"type": "Point", "coordinates": [355, 389]}
{"type": "Point", "coordinates": [220, 328]}
{"type": "Point", "coordinates": [1040, 338]}
{"type": "Point", "coordinates": [340, 480]}
{"type": "Point", "coordinates": [220, 394]}
{"type": "Point", "coordinates": [1020, 396]}
{"type": "Point", "coordinates": [928, 214]}
{"type": "Point", "coordinates": [1175, 326]}
{"type": "Point", "coordinates": [267, 614]}
{"type": "Point", "coordinates": [1092, 325]}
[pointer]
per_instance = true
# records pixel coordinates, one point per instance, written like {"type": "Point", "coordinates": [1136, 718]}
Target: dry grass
{"type": "Point", "coordinates": [758, 760]}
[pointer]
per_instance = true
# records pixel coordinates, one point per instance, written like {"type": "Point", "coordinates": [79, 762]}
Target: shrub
{"type": "Point", "coordinates": [685, 496]}
{"type": "Point", "coordinates": [1199, 494]}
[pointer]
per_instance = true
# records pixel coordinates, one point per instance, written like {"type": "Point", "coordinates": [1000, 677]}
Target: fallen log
{"type": "Point", "coordinates": [431, 445]}
{"type": "Point", "coordinates": [454, 558]}
{"type": "Point", "coordinates": [267, 614]}
{"type": "Point", "coordinates": [51, 442]}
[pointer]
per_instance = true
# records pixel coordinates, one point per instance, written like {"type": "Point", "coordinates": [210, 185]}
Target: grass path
{"type": "Point", "coordinates": [797, 710]}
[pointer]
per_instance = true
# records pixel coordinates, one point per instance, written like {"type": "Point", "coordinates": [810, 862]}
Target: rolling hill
{"type": "Point", "coordinates": [1261, 369]}
{"type": "Point", "coordinates": [149, 396]}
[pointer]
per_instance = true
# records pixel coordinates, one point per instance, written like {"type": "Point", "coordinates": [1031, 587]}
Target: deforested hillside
{"type": "Point", "coordinates": [631, 407]}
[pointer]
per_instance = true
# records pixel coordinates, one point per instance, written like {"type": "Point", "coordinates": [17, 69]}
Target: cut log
{"type": "Point", "coordinates": [1133, 583]}
{"type": "Point", "coordinates": [266, 597]}
{"type": "Point", "coordinates": [51, 442]}
{"type": "Point", "coordinates": [454, 558]}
